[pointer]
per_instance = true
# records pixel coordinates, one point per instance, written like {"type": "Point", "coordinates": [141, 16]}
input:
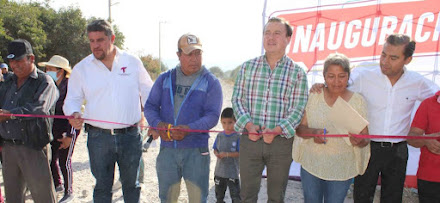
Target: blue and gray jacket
{"type": "Point", "coordinates": [200, 109]}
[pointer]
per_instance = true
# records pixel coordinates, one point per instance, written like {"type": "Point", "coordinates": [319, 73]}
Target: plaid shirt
{"type": "Point", "coordinates": [270, 97]}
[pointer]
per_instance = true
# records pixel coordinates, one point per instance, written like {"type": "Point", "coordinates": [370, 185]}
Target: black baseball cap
{"type": "Point", "coordinates": [18, 49]}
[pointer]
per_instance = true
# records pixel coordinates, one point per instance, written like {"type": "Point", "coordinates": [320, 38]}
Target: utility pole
{"type": "Point", "coordinates": [160, 58]}
{"type": "Point", "coordinates": [160, 46]}
{"type": "Point", "coordinates": [110, 10]}
{"type": "Point", "coordinates": [264, 23]}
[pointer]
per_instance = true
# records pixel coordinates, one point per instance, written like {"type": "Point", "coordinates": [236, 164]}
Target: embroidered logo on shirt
{"type": "Point", "coordinates": [123, 71]}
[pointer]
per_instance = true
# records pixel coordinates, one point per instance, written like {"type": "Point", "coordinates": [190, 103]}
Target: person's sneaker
{"type": "Point", "coordinates": [59, 188]}
{"type": "Point", "coordinates": [67, 198]}
{"type": "Point", "coordinates": [116, 186]}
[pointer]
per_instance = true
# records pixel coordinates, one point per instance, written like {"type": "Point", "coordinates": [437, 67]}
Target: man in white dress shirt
{"type": "Point", "coordinates": [115, 86]}
{"type": "Point", "coordinates": [391, 92]}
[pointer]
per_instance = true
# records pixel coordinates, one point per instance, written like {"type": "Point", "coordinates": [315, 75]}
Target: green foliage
{"type": "Point", "coordinates": [66, 34]}
{"type": "Point", "coordinates": [22, 21]}
{"type": "Point", "coordinates": [231, 75]}
{"type": "Point", "coordinates": [217, 72]}
{"type": "Point", "coordinates": [152, 65]}
{"type": "Point", "coordinates": [50, 32]}
{"type": "Point", "coordinates": [120, 38]}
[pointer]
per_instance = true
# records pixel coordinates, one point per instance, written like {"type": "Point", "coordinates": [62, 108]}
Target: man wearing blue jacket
{"type": "Point", "coordinates": [183, 104]}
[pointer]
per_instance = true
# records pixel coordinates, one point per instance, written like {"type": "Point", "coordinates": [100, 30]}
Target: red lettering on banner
{"type": "Point", "coordinates": [361, 31]}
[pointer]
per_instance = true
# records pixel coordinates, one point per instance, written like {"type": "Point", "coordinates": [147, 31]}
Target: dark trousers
{"type": "Point", "coordinates": [62, 159]}
{"type": "Point", "coordinates": [25, 167]}
{"type": "Point", "coordinates": [390, 163]}
{"type": "Point", "coordinates": [220, 188]}
{"type": "Point", "coordinates": [429, 192]}
{"type": "Point", "coordinates": [254, 156]}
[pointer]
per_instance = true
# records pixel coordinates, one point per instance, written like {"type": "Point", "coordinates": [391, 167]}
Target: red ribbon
{"type": "Point", "coordinates": [217, 131]}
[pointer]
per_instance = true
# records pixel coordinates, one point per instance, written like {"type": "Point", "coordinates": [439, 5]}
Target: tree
{"type": "Point", "coordinates": [231, 75]}
{"type": "Point", "coordinates": [217, 72]}
{"type": "Point", "coordinates": [66, 34]}
{"type": "Point", "coordinates": [50, 32]}
{"type": "Point", "coordinates": [152, 65]}
{"type": "Point", "coordinates": [22, 21]}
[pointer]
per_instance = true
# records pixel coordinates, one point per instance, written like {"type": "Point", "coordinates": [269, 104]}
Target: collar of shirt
{"type": "Point", "coordinates": [282, 60]}
{"type": "Point", "coordinates": [115, 60]}
{"type": "Point", "coordinates": [390, 107]}
{"type": "Point", "coordinates": [270, 95]}
{"type": "Point", "coordinates": [111, 95]}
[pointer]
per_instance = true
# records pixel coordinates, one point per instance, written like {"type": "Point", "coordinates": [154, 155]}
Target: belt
{"type": "Point", "coordinates": [110, 131]}
{"type": "Point", "coordinates": [13, 141]}
{"type": "Point", "coordinates": [388, 144]}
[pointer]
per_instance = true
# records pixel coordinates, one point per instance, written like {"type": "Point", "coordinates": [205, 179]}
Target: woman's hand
{"type": "Point", "coordinates": [319, 139]}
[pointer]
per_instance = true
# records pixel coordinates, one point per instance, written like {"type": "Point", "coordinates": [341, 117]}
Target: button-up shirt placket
{"type": "Point", "coordinates": [268, 97]}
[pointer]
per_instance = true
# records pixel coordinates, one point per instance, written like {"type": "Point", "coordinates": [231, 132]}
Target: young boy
{"type": "Point", "coordinates": [226, 147]}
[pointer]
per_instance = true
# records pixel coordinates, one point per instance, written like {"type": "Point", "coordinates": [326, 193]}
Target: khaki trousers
{"type": "Point", "coordinates": [276, 156]}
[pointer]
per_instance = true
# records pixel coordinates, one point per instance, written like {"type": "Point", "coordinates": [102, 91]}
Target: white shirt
{"type": "Point", "coordinates": [389, 107]}
{"type": "Point", "coordinates": [114, 96]}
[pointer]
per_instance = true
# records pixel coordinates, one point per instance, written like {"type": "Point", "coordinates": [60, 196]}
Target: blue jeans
{"type": "Point", "coordinates": [316, 189]}
{"type": "Point", "coordinates": [104, 151]}
{"type": "Point", "coordinates": [190, 163]}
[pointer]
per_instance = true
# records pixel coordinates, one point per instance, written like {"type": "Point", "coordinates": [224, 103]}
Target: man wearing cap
{"type": "Point", "coordinates": [115, 85]}
{"type": "Point", "coordinates": [4, 73]}
{"type": "Point", "coordinates": [64, 135]}
{"type": "Point", "coordinates": [26, 139]}
{"type": "Point", "coordinates": [269, 98]}
{"type": "Point", "coordinates": [4, 67]}
{"type": "Point", "coordinates": [183, 104]}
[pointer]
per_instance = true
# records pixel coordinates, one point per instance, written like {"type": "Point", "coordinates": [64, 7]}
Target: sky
{"type": "Point", "coordinates": [230, 30]}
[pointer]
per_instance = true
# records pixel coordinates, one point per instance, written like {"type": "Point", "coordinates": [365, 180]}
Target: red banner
{"type": "Point", "coordinates": [359, 31]}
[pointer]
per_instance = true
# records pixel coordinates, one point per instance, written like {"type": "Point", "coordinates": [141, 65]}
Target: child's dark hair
{"type": "Point", "coordinates": [228, 113]}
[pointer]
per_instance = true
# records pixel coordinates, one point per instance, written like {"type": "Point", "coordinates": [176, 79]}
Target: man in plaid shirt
{"type": "Point", "coordinates": [269, 98]}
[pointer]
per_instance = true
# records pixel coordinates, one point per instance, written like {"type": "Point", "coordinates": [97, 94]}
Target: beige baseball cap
{"type": "Point", "coordinates": [59, 62]}
{"type": "Point", "coordinates": [188, 43]}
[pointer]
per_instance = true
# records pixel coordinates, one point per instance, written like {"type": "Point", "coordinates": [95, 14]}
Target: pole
{"type": "Point", "coordinates": [110, 11]}
{"type": "Point", "coordinates": [264, 22]}
{"type": "Point", "coordinates": [160, 58]}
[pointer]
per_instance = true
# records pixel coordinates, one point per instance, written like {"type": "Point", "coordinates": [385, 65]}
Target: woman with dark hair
{"type": "Point", "coordinates": [328, 165]}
